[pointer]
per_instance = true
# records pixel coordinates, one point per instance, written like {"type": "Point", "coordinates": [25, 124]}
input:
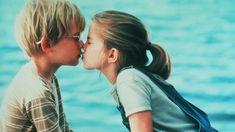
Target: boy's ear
{"type": "Point", "coordinates": [45, 44]}
{"type": "Point", "coordinates": [113, 55]}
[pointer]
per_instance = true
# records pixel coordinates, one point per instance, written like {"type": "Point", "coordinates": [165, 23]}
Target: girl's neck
{"type": "Point", "coordinates": [110, 73]}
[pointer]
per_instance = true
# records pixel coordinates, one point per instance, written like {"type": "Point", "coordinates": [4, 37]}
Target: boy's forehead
{"type": "Point", "coordinates": [74, 28]}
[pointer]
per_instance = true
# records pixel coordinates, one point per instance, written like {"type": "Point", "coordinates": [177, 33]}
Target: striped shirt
{"type": "Point", "coordinates": [33, 104]}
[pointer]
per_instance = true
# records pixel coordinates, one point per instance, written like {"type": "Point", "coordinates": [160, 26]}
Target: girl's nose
{"type": "Point", "coordinates": [81, 44]}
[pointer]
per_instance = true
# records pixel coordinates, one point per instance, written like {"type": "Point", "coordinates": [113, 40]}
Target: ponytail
{"type": "Point", "coordinates": [161, 64]}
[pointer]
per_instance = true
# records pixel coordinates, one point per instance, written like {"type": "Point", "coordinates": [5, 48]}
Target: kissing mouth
{"type": "Point", "coordinates": [81, 53]}
{"type": "Point", "coordinates": [82, 56]}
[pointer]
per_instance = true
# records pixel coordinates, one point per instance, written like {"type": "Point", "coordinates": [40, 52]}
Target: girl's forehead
{"type": "Point", "coordinates": [93, 26]}
{"type": "Point", "coordinates": [94, 30]}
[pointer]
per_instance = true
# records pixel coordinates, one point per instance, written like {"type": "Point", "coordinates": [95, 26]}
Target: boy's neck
{"type": "Point", "coordinates": [44, 68]}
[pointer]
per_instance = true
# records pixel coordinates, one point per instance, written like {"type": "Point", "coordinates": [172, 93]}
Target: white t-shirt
{"type": "Point", "coordinates": [137, 93]}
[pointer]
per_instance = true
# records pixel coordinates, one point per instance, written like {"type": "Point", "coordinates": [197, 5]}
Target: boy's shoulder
{"type": "Point", "coordinates": [25, 77]}
{"type": "Point", "coordinates": [27, 85]}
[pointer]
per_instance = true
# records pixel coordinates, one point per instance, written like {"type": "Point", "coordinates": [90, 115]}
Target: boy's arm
{"type": "Point", "coordinates": [42, 113]}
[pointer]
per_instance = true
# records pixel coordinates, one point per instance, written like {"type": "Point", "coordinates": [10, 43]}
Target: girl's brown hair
{"type": "Point", "coordinates": [128, 34]}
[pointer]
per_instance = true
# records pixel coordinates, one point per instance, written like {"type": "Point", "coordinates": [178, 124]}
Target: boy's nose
{"type": "Point", "coordinates": [81, 46]}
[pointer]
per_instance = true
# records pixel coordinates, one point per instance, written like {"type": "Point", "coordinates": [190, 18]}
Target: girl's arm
{"type": "Point", "coordinates": [141, 122]}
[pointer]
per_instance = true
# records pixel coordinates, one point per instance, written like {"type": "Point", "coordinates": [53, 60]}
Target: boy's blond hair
{"type": "Point", "coordinates": [46, 18]}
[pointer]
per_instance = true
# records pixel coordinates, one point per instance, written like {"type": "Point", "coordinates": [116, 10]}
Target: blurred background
{"type": "Point", "coordinates": [198, 35]}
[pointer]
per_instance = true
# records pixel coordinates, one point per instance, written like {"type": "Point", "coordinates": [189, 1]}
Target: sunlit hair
{"type": "Point", "coordinates": [45, 18]}
{"type": "Point", "coordinates": [128, 34]}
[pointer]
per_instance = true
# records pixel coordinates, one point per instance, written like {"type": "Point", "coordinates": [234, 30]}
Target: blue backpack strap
{"type": "Point", "coordinates": [125, 120]}
{"type": "Point", "coordinates": [184, 105]}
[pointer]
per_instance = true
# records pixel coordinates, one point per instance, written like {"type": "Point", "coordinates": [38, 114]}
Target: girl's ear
{"type": "Point", "coordinates": [113, 55]}
{"type": "Point", "coordinates": [45, 44]}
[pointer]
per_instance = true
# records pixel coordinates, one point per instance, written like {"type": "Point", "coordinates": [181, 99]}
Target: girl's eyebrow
{"type": "Point", "coordinates": [89, 38]}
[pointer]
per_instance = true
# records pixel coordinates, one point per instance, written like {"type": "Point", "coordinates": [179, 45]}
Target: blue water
{"type": "Point", "coordinates": [198, 34]}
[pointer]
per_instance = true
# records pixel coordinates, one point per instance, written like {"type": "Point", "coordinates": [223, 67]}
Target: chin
{"type": "Point", "coordinates": [73, 63]}
{"type": "Point", "coordinates": [87, 67]}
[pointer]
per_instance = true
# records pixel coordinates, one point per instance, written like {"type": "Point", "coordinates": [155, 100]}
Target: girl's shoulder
{"type": "Point", "coordinates": [129, 74]}
{"type": "Point", "coordinates": [133, 74]}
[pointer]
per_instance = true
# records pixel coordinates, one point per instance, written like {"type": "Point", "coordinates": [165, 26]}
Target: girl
{"type": "Point", "coordinates": [117, 44]}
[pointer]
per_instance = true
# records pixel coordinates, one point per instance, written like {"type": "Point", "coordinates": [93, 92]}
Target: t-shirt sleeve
{"type": "Point", "coordinates": [134, 95]}
{"type": "Point", "coordinates": [42, 113]}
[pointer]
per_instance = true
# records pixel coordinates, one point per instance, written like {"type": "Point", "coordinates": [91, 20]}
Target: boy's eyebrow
{"type": "Point", "coordinates": [77, 33]}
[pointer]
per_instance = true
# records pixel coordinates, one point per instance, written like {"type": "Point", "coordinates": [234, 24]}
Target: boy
{"type": "Point", "coordinates": [49, 32]}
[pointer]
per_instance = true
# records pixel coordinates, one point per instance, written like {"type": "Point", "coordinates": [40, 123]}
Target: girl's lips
{"type": "Point", "coordinates": [82, 56]}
